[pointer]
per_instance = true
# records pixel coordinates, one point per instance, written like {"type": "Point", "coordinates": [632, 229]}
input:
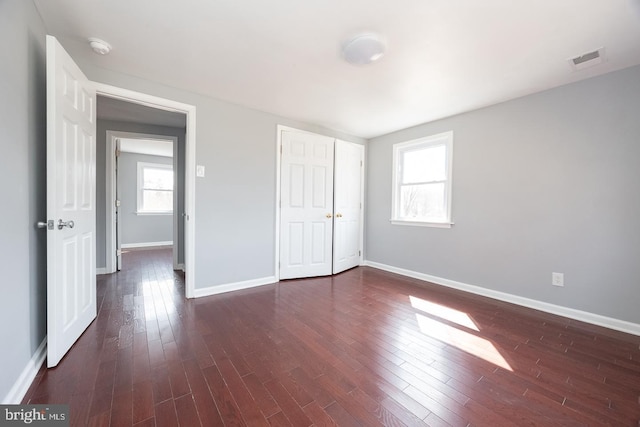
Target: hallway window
{"type": "Point", "coordinates": [155, 188]}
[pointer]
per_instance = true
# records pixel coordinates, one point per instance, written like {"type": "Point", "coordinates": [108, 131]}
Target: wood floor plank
{"type": "Point", "coordinates": [362, 348]}
{"type": "Point", "coordinates": [186, 412]}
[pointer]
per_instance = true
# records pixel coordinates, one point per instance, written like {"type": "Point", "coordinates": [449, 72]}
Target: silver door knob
{"type": "Point", "coordinates": [62, 224]}
{"type": "Point", "coordinates": [48, 225]}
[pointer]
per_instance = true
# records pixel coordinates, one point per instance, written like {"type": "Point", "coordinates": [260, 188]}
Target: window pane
{"type": "Point", "coordinates": [422, 202]}
{"type": "Point", "coordinates": [424, 165]}
{"type": "Point", "coordinates": [161, 179]}
{"type": "Point", "coordinates": [157, 201]}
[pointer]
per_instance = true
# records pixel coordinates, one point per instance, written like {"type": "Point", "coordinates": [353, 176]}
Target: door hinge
{"type": "Point", "coordinates": [361, 163]}
{"type": "Point", "coordinates": [359, 253]}
{"type": "Point", "coordinates": [117, 203]}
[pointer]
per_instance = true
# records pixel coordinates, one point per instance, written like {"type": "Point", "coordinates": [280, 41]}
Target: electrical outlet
{"type": "Point", "coordinates": [557, 279]}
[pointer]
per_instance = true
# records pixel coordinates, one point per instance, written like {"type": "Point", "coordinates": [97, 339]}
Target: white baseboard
{"type": "Point", "coordinates": [145, 244]}
{"type": "Point", "coordinates": [101, 270]}
{"type": "Point", "coordinates": [22, 384]}
{"type": "Point", "coordinates": [583, 316]}
{"type": "Point", "coordinates": [180, 267]}
{"type": "Point", "coordinates": [228, 287]}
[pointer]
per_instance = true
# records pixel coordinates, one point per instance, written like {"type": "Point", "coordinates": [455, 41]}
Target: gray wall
{"type": "Point", "coordinates": [236, 200]}
{"type": "Point", "coordinates": [101, 152]}
{"type": "Point", "coordinates": [23, 174]}
{"type": "Point", "coordinates": [139, 228]}
{"type": "Point", "coordinates": [545, 183]}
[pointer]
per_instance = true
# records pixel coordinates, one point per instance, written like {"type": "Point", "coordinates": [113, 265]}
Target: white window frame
{"type": "Point", "coordinates": [445, 139]}
{"type": "Point", "coordinates": [141, 167]}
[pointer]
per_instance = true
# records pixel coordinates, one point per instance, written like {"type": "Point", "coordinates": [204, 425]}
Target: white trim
{"type": "Point", "coordinates": [102, 271]}
{"type": "Point", "coordinates": [422, 224]}
{"type": "Point", "coordinates": [583, 316]}
{"type": "Point", "coordinates": [146, 244]}
{"type": "Point", "coordinates": [22, 384]}
{"type": "Point", "coordinates": [229, 287]}
{"type": "Point", "coordinates": [190, 165]}
{"type": "Point", "coordinates": [143, 213]}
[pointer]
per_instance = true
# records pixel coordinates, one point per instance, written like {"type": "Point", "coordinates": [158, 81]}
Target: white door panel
{"type": "Point", "coordinates": [71, 171]}
{"type": "Point", "coordinates": [306, 226]}
{"type": "Point", "coordinates": [349, 159]}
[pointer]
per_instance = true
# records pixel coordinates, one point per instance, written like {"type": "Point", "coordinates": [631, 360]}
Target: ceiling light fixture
{"type": "Point", "coordinates": [363, 49]}
{"type": "Point", "coordinates": [100, 47]}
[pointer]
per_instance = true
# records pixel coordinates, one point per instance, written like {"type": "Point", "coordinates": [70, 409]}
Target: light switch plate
{"type": "Point", "coordinates": [200, 171]}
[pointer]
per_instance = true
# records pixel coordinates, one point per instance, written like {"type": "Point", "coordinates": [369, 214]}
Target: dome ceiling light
{"type": "Point", "coordinates": [100, 47]}
{"type": "Point", "coordinates": [364, 49]}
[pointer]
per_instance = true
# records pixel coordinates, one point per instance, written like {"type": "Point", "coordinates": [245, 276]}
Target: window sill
{"type": "Point", "coordinates": [142, 213]}
{"type": "Point", "coordinates": [422, 223]}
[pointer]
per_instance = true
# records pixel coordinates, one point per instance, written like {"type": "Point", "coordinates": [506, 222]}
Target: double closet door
{"type": "Point", "coordinates": [321, 197]}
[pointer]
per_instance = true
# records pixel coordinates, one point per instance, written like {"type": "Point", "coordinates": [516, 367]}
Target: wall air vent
{"type": "Point", "coordinates": [587, 60]}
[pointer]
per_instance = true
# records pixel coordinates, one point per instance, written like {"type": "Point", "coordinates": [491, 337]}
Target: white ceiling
{"type": "Point", "coordinates": [283, 56]}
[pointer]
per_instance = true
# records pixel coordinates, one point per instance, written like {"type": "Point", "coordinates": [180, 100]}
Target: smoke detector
{"type": "Point", "coordinates": [100, 47]}
{"type": "Point", "coordinates": [587, 60]}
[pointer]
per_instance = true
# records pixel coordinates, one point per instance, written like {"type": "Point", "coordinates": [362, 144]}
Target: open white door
{"type": "Point", "coordinates": [306, 213]}
{"type": "Point", "coordinates": [348, 196]}
{"type": "Point", "coordinates": [71, 212]}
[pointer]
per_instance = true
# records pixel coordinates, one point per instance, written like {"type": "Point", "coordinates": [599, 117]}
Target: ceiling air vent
{"type": "Point", "coordinates": [588, 59]}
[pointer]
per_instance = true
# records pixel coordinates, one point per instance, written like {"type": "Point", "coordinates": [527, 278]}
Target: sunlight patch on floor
{"type": "Point", "coordinates": [447, 313]}
{"type": "Point", "coordinates": [461, 339]}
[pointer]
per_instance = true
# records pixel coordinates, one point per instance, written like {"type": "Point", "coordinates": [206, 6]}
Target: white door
{"type": "Point", "coordinates": [306, 210]}
{"type": "Point", "coordinates": [71, 175]}
{"type": "Point", "coordinates": [348, 192]}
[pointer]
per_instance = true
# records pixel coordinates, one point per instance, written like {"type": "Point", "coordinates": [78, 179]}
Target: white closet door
{"type": "Point", "coordinates": [306, 213]}
{"type": "Point", "coordinates": [348, 197]}
{"type": "Point", "coordinates": [71, 183]}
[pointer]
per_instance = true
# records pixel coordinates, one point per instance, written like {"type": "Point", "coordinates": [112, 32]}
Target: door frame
{"type": "Point", "coordinates": [110, 193]}
{"type": "Point", "coordinates": [279, 130]}
{"type": "Point", "coordinates": [190, 162]}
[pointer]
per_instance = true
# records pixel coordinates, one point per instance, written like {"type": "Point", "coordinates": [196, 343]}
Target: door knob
{"type": "Point", "coordinates": [338, 215]}
{"type": "Point", "coordinates": [328, 215]}
{"type": "Point", "coordinates": [62, 224]}
{"type": "Point", "coordinates": [47, 225]}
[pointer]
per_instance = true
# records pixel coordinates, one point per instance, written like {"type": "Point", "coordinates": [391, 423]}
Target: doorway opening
{"type": "Point", "coordinates": [124, 115]}
{"type": "Point", "coordinates": [145, 201]}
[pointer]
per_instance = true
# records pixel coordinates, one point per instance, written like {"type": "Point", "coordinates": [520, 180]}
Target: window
{"type": "Point", "coordinates": [155, 188]}
{"type": "Point", "coordinates": [422, 181]}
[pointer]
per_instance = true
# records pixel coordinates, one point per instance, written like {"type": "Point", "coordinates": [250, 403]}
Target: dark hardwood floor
{"type": "Point", "coordinates": [362, 348]}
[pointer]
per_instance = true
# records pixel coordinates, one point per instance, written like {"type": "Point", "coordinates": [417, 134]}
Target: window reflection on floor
{"type": "Point", "coordinates": [454, 336]}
